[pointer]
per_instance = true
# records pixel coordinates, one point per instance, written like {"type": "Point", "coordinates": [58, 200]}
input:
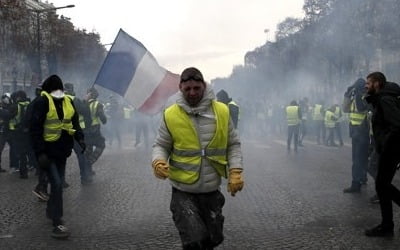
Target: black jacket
{"type": "Point", "coordinates": [61, 148]}
{"type": "Point", "coordinates": [386, 117]}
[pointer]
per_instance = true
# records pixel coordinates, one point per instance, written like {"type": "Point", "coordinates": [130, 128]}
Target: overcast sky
{"type": "Point", "coordinates": [213, 35]}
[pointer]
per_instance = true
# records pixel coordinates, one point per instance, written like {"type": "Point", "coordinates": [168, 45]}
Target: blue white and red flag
{"type": "Point", "coordinates": [131, 71]}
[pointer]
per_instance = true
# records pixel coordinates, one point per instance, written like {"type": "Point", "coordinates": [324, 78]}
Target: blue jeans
{"type": "Point", "coordinates": [83, 164]}
{"type": "Point", "coordinates": [55, 173]}
{"type": "Point", "coordinates": [360, 144]}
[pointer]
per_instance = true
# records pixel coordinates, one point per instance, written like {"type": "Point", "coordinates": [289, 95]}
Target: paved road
{"type": "Point", "coordinates": [289, 202]}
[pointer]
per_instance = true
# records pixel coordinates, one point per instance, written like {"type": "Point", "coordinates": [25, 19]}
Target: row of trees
{"type": "Point", "coordinates": [324, 52]}
{"type": "Point", "coordinates": [74, 54]}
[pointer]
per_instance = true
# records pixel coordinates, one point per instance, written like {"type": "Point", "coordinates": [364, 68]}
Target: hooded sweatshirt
{"type": "Point", "coordinates": [61, 148]}
{"type": "Point", "coordinates": [386, 117]}
{"type": "Point", "coordinates": [203, 119]}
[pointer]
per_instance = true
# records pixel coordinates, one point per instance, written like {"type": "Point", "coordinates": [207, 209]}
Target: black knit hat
{"type": "Point", "coordinates": [52, 83]}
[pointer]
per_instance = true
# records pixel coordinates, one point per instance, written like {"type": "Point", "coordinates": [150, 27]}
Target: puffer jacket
{"type": "Point", "coordinates": [203, 118]}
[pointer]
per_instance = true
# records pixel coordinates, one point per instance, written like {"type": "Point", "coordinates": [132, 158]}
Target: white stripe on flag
{"type": "Point", "coordinates": [147, 77]}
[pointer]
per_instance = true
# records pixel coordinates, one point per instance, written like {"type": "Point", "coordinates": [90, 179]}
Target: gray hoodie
{"type": "Point", "coordinates": [203, 119]}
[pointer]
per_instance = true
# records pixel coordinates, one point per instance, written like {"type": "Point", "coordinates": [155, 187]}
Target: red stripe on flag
{"type": "Point", "coordinates": [168, 86]}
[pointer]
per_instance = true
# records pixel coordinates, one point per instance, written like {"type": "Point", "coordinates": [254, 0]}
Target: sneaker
{"type": "Point", "coordinates": [374, 199]}
{"type": "Point", "coordinates": [41, 194]}
{"type": "Point", "coordinates": [14, 170]}
{"type": "Point", "coordinates": [379, 231]}
{"type": "Point", "coordinates": [352, 189]}
{"type": "Point", "coordinates": [60, 232]}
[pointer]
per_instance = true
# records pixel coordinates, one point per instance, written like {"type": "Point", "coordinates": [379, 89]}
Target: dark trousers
{"type": "Point", "coordinates": [42, 178]}
{"type": "Point", "coordinates": [330, 141]}
{"type": "Point", "coordinates": [83, 164]}
{"type": "Point", "coordinates": [387, 164]}
{"type": "Point", "coordinates": [198, 218]}
{"type": "Point", "coordinates": [293, 131]}
{"type": "Point", "coordinates": [95, 145]}
{"type": "Point", "coordinates": [338, 129]}
{"type": "Point", "coordinates": [360, 144]}
{"type": "Point", "coordinates": [55, 173]}
{"type": "Point", "coordinates": [3, 140]}
{"type": "Point", "coordinates": [13, 142]}
{"type": "Point", "coordinates": [303, 131]}
{"type": "Point", "coordinates": [320, 131]}
{"type": "Point", "coordinates": [22, 146]}
{"type": "Point", "coordinates": [373, 164]}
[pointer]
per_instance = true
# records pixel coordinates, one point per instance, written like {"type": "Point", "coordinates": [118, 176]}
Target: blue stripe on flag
{"type": "Point", "coordinates": [121, 63]}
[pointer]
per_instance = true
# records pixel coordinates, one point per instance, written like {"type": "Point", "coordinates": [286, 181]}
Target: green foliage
{"type": "Point", "coordinates": [72, 53]}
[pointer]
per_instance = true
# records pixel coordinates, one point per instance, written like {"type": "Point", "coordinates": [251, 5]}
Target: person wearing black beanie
{"type": "Point", "coordinates": [54, 126]}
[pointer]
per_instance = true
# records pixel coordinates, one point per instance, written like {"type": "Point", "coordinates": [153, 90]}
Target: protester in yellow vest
{"type": "Point", "coordinates": [54, 126]}
{"type": "Point", "coordinates": [330, 122]}
{"type": "Point", "coordinates": [293, 116]}
{"type": "Point", "coordinates": [94, 138]}
{"type": "Point", "coordinates": [318, 114]}
{"type": "Point", "coordinates": [356, 106]}
{"type": "Point", "coordinates": [338, 125]}
{"type": "Point", "coordinates": [197, 144]}
{"type": "Point", "coordinates": [20, 134]}
{"type": "Point", "coordinates": [84, 120]}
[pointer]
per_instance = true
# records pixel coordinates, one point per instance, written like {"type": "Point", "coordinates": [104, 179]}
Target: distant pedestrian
{"type": "Point", "coordinates": [330, 122]}
{"type": "Point", "coordinates": [94, 138]}
{"type": "Point", "coordinates": [293, 116]}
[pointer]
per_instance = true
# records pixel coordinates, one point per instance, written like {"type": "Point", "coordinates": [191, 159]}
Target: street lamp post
{"type": "Point", "coordinates": [38, 44]}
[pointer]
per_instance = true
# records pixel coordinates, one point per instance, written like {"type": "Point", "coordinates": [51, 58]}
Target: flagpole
{"type": "Point", "coordinates": [105, 59]}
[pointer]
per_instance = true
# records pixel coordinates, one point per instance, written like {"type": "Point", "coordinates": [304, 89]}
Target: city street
{"type": "Point", "coordinates": [289, 202]}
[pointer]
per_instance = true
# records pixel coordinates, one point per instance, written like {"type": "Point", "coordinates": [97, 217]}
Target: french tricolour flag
{"type": "Point", "coordinates": [132, 72]}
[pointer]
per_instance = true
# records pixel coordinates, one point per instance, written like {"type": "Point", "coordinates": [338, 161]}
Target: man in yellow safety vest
{"type": "Point", "coordinates": [293, 116]}
{"type": "Point", "coordinates": [196, 145]}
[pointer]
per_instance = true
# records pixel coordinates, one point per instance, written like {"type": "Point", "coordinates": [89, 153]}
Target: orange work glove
{"type": "Point", "coordinates": [235, 181]}
{"type": "Point", "coordinates": [160, 168]}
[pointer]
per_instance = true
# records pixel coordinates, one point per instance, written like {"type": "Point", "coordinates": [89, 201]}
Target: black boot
{"type": "Point", "coordinates": [380, 231]}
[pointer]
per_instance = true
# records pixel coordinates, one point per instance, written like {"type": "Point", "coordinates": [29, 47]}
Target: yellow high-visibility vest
{"type": "Point", "coordinates": [12, 124]}
{"type": "Point", "coordinates": [339, 114]}
{"type": "Point", "coordinates": [187, 153]}
{"type": "Point", "coordinates": [356, 118]}
{"type": "Point", "coordinates": [292, 115]}
{"type": "Point", "coordinates": [93, 104]}
{"type": "Point", "coordinates": [317, 114]}
{"type": "Point", "coordinates": [127, 113]}
{"type": "Point", "coordinates": [81, 118]}
{"type": "Point", "coordinates": [53, 125]}
{"type": "Point", "coordinates": [329, 122]}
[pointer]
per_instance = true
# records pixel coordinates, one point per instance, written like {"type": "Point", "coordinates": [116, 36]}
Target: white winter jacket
{"type": "Point", "coordinates": [204, 120]}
